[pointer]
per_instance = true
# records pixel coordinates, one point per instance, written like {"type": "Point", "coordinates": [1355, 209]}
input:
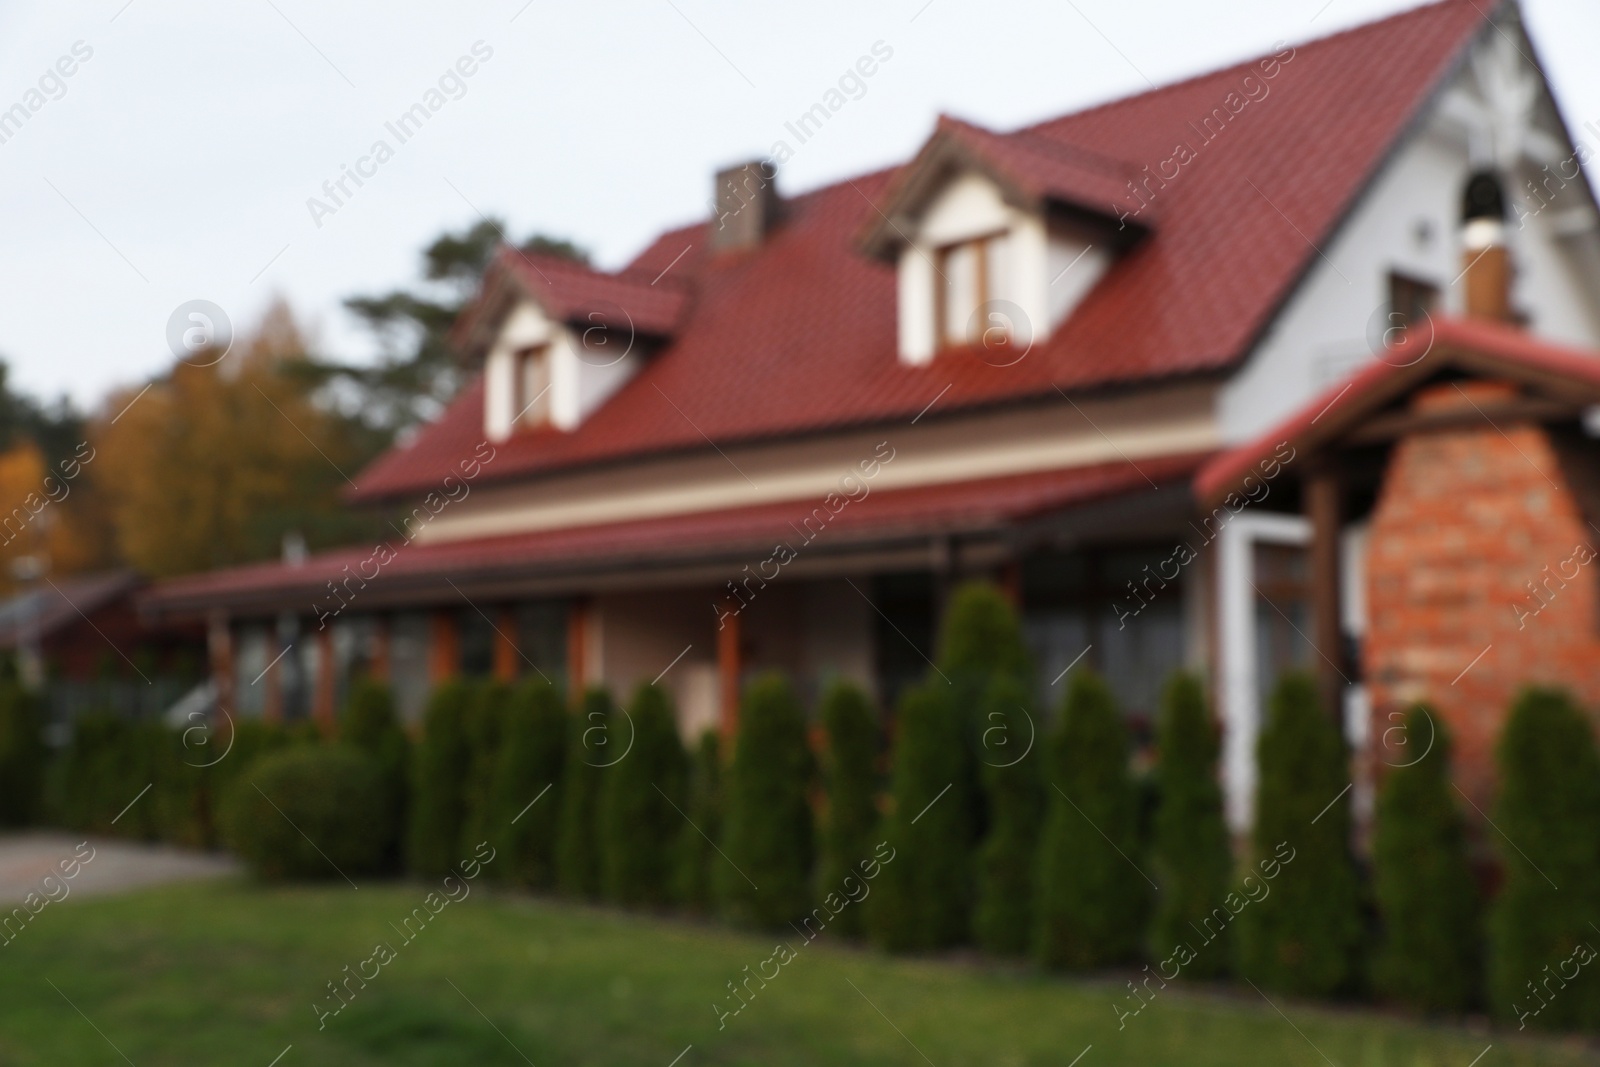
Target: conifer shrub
{"type": "Point", "coordinates": [591, 750]}
{"type": "Point", "coordinates": [486, 715]}
{"type": "Point", "coordinates": [440, 766]}
{"type": "Point", "coordinates": [308, 812]}
{"type": "Point", "coordinates": [850, 780]}
{"type": "Point", "coordinates": [1190, 856]}
{"type": "Point", "coordinates": [981, 637]}
{"type": "Point", "coordinates": [527, 785]}
{"type": "Point", "coordinates": [21, 755]}
{"type": "Point", "coordinates": [923, 899]}
{"type": "Point", "coordinates": [641, 806]}
{"type": "Point", "coordinates": [767, 821]}
{"type": "Point", "coordinates": [1306, 936]}
{"type": "Point", "coordinates": [1549, 814]}
{"type": "Point", "coordinates": [1010, 762]}
{"type": "Point", "coordinates": [370, 724]}
{"type": "Point", "coordinates": [1431, 954]}
{"type": "Point", "coordinates": [697, 858]}
{"type": "Point", "coordinates": [1090, 899]}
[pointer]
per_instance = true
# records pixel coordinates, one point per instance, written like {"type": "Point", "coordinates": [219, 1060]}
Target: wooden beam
{"type": "Point", "coordinates": [1324, 508]}
{"type": "Point", "coordinates": [506, 656]}
{"type": "Point", "coordinates": [728, 670]}
{"type": "Point", "coordinates": [1384, 428]}
{"type": "Point", "coordinates": [444, 647]}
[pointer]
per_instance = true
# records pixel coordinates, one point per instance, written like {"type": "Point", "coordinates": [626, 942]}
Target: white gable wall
{"type": "Point", "coordinates": [584, 370]}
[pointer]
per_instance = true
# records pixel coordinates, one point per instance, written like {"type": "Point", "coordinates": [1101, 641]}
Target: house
{"type": "Point", "coordinates": [1290, 365]}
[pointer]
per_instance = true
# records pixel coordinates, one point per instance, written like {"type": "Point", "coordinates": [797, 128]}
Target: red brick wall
{"type": "Point", "coordinates": [1466, 519]}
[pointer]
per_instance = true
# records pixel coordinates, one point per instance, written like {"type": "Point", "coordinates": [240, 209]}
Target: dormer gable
{"type": "Point", "coordinates": [996, 238]}
{"type": "Point", "coordinates": [556, 338]}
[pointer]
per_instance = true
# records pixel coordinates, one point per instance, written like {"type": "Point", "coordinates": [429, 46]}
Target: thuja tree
{"type": "Point", "coordinates": [923, 899]}
{"type": "Point", "coordinates": [440, 767]}
{"type": "Point", "coordinates": [591, 752]}
{"type": "Point", "coordinates": [1010, 762]}
{"type": "Point", "coordinates": [486, 713]}
{"type": "Point", "coordinates": [527, 785]}
{"type": "Point", "coordinates": [371, 725]}
{"type": "Point", "coordinates": [850, 778]}
{"type": "Point", "coordinates": [1430, 956]}
{"type": "Point", "coordinates": [1304, 937]}
{"type": "Point", "coordinates": [981, 638]}
{"type": "Point", "coordinates": [1190, 851]}
{"type": "Point", "coordinates": [767, 828]}
{"type": "Point", "coordinates": [697, 858]}
{"type": "Point", "coordinates": [21, 755]}
{"type": "Point", "coordinates": [1090, 898]}
{"type": "Point", "coordinates": [1549, 814]}
{"type": "Point", "coordinates": [641, 806]}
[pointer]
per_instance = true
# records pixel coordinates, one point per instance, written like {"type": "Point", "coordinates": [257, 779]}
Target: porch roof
{"type": "Point", "coordinates": [421, 573]}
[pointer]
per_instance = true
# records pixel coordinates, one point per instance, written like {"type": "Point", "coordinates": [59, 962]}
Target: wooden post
{"type": "Point", "coordinates": [578, 609]}
{"type": "Point", "coordinates": [728, 669]}
{"type": "Point", "coordinates": [505, 645]}
{"type": "Point", "coordinates": [322, 693]}
{"type": "Point", "coordinates": [1323, 507]}
{"type": "Point", "coordinates": [444, 647]}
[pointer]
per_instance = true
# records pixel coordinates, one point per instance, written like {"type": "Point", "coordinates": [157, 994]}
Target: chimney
{"type": "Point", "coordinates": [745, 204]}
{"type": "Point", "coordinates": [1485, 260]}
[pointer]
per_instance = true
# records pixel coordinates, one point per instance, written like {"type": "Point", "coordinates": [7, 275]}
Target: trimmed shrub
{"type": "Point", "coordinates": [1090, 899]}
{"type": "Point", "coordinates": [312, 812]}
{"type": "Point", "coordinates": [440, 766]}
{"type": "Point", "coordinates": [21, 755]}
{"type": "Point", "coordinates": [980, 639]}
{"type": "Point", "coordinates": [923, 899]}
{"type": "Point", "coordinates": [529, 773]}
{"type": "Point", "coordinates": [371, 725]}
{"type": "Point", "coordinates": [767, 830]}
{"type": "Point", "coordinates": [486, 714]}
{"type": "Point", "coordinates": [1305, 937]}
{"type": "Point", "coordinates": [697, 859]}
{"type": "Point", "coordinates": [1191, 855]}
{"type": "Point", "coordinates": [1002, 921]}
{"type": "Point", "coordinates": [1431, 952]}
{"type": "Point", "coordinates": [589, 749]}
{"type": "Point", "coordinates": [1549, 809]}
{"type": "Point", "coordinates": [641, 806]}
{"type": "Point", "coordinates": [850, 778]}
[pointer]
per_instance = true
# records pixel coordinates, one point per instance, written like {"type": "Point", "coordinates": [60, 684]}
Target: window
{"type": "Point", "coordinates": [969, 274]}
{"type": "Point", "coordinates": [530, 383]}
{"type": "Point", "coordinates": [1410, 301]}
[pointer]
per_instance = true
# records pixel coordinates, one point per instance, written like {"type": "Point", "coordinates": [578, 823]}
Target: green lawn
{"type": "Point", "coordinates": [228, 973]}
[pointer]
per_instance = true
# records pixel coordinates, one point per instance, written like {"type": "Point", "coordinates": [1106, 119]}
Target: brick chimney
{"type": "Point", "coordinates": [1486, 262]}
{"type": "Point", "coordinates": [745, 205]}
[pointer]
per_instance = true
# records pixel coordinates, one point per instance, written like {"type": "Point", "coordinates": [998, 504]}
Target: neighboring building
{"type": "Point", "coordinates": [1354, 285]}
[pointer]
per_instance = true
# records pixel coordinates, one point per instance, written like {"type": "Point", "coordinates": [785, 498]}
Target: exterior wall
{"type": "Point", "coordinates": [636, 636]}
{"type": "Point", "coordinates": [1477, 585]}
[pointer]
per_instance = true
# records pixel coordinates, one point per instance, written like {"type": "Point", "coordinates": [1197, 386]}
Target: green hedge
{"type": "Point", "coordinates": [1011, 761]}
{"type": "Point", "coordinates": [440, 767]}
{"type": "Point", "coordinates": [641, 806]}
{"type": "Point", "coordinates": [528, 786]}
{"type": "Point", "coordinates": [312, 812]}
{"type": "Point", "coordinates": [850, 781]}
{"type": "Point", "coordinates": [371, 725]}
{"type": "Point", "coordinates": [591, 748]}
{"type": "Point", "coordinates": [697, 857]}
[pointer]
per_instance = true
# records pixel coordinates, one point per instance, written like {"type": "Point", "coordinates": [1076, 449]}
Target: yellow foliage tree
{"type": "Point", "coordinates": [212, 465]}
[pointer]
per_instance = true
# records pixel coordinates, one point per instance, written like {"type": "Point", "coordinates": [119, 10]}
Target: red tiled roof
{"type": "Point", "coordinates": [1476, 346]}
{"type": "Point", "coordinates": [799, 335]}
{"type": "Point", "coordinates": [742, 534]}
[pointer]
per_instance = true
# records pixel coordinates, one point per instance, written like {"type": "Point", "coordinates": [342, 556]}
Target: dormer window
{"type": "Point", "coordinates": [530, 385]}
{"type": "Point", "coordinates": [969, 274]}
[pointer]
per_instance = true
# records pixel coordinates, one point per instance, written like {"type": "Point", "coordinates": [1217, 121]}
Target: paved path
{"type": "Point", "coordinates": [118, 865]}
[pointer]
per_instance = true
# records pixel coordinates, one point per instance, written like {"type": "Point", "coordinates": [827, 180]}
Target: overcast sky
{"type": "Point", "coordinates": [175, 163]}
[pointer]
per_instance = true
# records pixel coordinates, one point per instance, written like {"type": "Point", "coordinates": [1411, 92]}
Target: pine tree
{"type": "Point", "coordinates": [1003, 918]}
{"type": "Point", "coordinates": [641, 806]}
{"type": "Point", "coordinates": [923, 899]}
{"type": "Point", "coordinates": [697, 858]}
{"type": "Point", "coordinates": [850, 777]}
{"type": "Point", "coordinates": [1431, 953]}
{"type": "Point", "coordinates": [1090, 898]}
{"type": "Point", "coordinates": [527, 787]}
{"type": "Point", "coordinates": [590, 752]}
{"type": "Point", "coordinates": [1306, 936]}
{"type": "Point", "coordinates": [370, 724]}
{"type": "Point", "coordinates": [767, 824]}
{"type": "Point", "coordinates": [1191, 855]}
{"type": "Point", "coordinates": [1549, 814]}
{"type": "Point", "coordinates": [441, 763]}
{"type": "Point", "coordinates": [486, 715]}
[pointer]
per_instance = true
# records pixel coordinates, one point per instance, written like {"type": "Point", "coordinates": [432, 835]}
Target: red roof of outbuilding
{"type": "Point", "coordinates": [742, 534]}
{"type": "Point", "coordinates": [799, 335]}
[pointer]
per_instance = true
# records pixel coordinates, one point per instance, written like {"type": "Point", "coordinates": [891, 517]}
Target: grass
{"type": "Point", "coordinates": [229, 973]}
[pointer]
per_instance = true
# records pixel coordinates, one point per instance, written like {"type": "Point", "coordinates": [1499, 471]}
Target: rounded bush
{"type": "Point", "coordinates": [308, 813]}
